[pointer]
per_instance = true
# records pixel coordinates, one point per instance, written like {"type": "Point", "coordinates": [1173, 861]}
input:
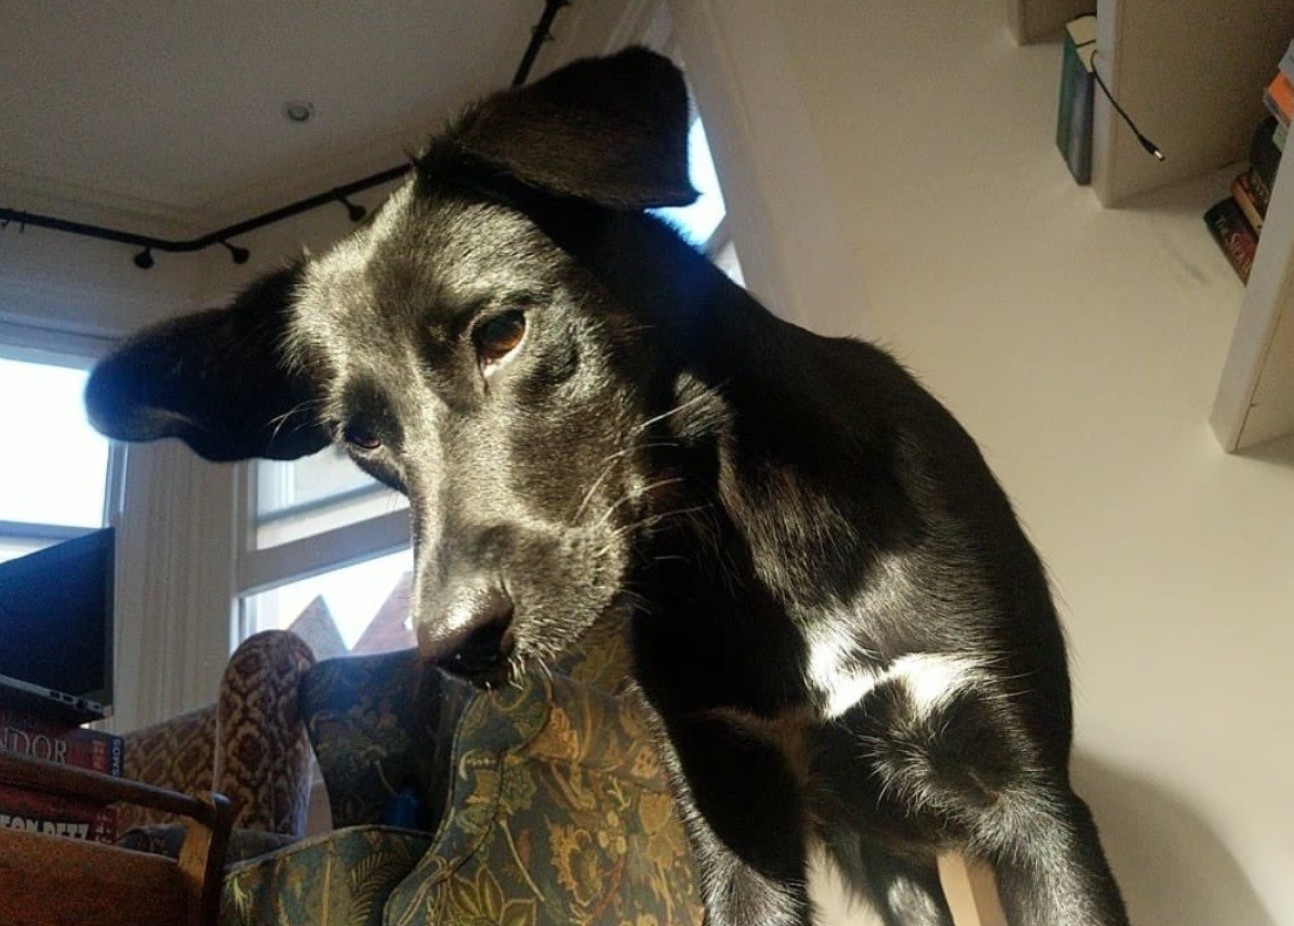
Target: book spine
{"type": "Point", "coordinates": [1287, 62]}
{"type": "Point", "coordinates": [1234, 236]}
{"type": "Point", "coordinates": [1279, 97]}
{"type": "Point", "coordinates": [1265, 158]}
{"type": "Point", "coordinates": [1074, 112]}
{"type": "Point", "coordinates": [1241, 193]}
{"type": "Point", "coordinates": [56, 816]}
{"type": "Point", "coordinates": [89, 749]}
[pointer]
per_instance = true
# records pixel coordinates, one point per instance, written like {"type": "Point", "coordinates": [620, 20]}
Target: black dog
{"type": "Point", "coordinates": [844, 633]}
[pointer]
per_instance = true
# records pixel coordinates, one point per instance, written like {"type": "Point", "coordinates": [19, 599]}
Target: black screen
{"type": "Point", "coordinates": [56, 617]}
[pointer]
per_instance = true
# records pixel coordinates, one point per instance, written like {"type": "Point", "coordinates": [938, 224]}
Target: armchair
{"type": "Point", "coordinates": [249, 745]}
{"type": "Point", "coordinates": [538, 804]}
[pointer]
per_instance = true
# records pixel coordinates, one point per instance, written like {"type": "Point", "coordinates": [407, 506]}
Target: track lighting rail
{"type": "Point", "coordinates": [144, 258]}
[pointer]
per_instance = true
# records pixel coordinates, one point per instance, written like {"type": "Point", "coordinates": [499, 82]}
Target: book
{"type": "Point", "coordinates": [1237, 240]}
{"type": "Point", "coordinates": [1279, 97]}
{"type": "Point", "coordinates": [90, 749]}
{"type": "Point", "coordinates": [56, 816]}
{"type": "Point", "coordinates": [1074, 116]}
{"type": "Point", "coordinates": [1287, 62]}
{"type": "Point", "coordinates": [1264, 160]}
{"type": "Point", "coordinates": [1242, 193]}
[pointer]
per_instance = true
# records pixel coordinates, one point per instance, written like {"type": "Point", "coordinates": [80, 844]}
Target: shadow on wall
{"type": "Point", "coordinates": [1279, 452]}
{"type": "Point", "coordinates": [1173, 869]}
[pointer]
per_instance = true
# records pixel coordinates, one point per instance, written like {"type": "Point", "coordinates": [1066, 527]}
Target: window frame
{"type": "Point", "coordinates": [262, 569]}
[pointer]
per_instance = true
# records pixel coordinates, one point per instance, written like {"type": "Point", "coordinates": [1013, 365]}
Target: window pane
{"type": "Point", "coordinates": [64, 483]}
{"type": "Point", "coordinates": [14, 547]}
{"type": "Point", "coordinates": [358, 609]}
{"type": "Point", "coordinates": [303, 497]}
{"type": "Point", "coordinates": [699, 220]}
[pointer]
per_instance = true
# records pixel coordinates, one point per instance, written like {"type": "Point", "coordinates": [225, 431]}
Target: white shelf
{"type": "Point", "coordinates": [1255, 400]}
{"type": "Point", "coordinates": [1192, 76]}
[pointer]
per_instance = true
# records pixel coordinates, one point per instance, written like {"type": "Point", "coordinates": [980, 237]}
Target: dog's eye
{"type": "Point", "coordinates": [360, 435]}
{"type": "Point", "coordinates": [499, 336]}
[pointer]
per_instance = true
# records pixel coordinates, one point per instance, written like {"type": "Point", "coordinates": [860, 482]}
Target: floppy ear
{"type": "Point", "coordinates": [216, 379]}
{"type": "Point", "coordinates": [609, 130]}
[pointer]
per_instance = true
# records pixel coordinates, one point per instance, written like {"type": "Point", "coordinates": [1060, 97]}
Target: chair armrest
{"type": "Point", "coordinates": [201, 856]}
{"type": "Point", "coordinates": [262, 755]}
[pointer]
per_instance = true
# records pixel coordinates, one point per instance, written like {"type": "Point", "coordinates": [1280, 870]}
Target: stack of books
{"type": "Point", "coordinates": [32, 735]}
{"type": "Point", "coordinates": [1237, 221]}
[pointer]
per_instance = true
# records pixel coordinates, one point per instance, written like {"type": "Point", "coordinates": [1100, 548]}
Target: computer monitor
{"type": "Point", "coordinates": [56, 628]}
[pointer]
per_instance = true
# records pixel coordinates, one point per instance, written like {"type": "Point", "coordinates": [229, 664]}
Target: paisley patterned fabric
{"type": "Point", "coordinates": [546, 800]}
{"type": "Point", "coordinates": [341, 879]}
{"type": "Point", "coordinates": [375, 723]}
{"type": "Point", "coordinates": [558, 814]}
{"type": "Point", "coordinates": [263, 761]}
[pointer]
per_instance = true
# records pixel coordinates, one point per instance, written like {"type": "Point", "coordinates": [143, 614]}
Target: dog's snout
{"type": "Point", "coordinates": [479, 639]}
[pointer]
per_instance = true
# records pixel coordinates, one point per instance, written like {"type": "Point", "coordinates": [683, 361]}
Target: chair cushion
{"type": "Point", "coordinates": [167, 838]}
{"type": "Point", "coordinates": [559, 813]}
{"type": "Point", "coordinates": [374, 722]}
{"type": "Point", "coordinates": [341, 878]}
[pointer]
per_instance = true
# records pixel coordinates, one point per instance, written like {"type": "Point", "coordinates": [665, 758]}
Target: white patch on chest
{"type": "Point", "coordinates": [930, 680]}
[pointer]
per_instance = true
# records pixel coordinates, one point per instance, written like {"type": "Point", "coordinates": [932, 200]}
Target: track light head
{"type": "Point", "coordinates": [240, 255]}
{"type": "Point", "coordinates": [144, 259]}
{"type": "Point", "coordinates": [354, 210]}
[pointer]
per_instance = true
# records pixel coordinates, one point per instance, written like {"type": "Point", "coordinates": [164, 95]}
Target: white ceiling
{"type": "Point", "coordinates": [165, 116]}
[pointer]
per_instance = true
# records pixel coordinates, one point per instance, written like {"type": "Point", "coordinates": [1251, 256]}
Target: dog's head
{"type": "Point", "coordinates": [462, 355]}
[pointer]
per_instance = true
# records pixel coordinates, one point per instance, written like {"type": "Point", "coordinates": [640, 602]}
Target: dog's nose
{"type": "Point", "coordinates": [479, 640]}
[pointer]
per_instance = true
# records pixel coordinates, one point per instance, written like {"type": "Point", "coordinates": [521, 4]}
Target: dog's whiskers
{"type": "Point", "coordinates": [635, 495]}
{"type": "Point", "coordinates": [606, 471]}
{"type": "Point", "coordinates": [673, 411]}
{"type": "Point", "coordinates": [280, 421]}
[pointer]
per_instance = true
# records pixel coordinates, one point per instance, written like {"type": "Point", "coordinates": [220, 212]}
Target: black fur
{"type": "Point", "coordinates": [839, 625]}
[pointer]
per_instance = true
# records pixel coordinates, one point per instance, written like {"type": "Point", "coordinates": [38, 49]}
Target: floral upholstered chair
{"type": "Point", "coordinates": [542, 804]}
{"type": "Point", "coordinates": [250, 745]}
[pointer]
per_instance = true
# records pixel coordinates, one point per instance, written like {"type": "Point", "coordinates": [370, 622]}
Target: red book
{"type": "Point", "coordinates": [56, 816]}
{"type": "Point", "coordinates": [77, 746]}
{"type": "Point", "coordinates": [1242, 192]}
{"type": "Point", "coordinates": [1234, 236]}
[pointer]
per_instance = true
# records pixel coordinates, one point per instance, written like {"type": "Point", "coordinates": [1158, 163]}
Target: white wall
{"type": "Point", "coordinates": [1082, 347]}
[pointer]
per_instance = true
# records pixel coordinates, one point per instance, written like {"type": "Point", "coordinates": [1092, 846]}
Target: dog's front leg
{"type": "Point", "coordinates": [743, 813]}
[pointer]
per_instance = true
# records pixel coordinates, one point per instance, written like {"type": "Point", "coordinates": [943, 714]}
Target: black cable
{"type": "Point", "coordinates": [1146, 143]}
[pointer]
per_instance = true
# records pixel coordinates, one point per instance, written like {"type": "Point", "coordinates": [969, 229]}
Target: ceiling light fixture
{"type": "Point", "coordinates": [298, 111]}
{"type": "Point", "coordinates": [240, 255]}
{"type": "Point", "coordinates": [354, 210]}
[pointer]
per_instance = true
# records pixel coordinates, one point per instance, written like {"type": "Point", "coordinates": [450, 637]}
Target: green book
{"type": "Point", "coordinates": [1074, 116]}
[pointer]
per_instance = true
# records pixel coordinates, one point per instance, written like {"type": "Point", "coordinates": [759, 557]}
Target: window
{"type": "Point", "coordinates": [704, 221]}
{"type": "Point", "coordinates": [325, 553]}
{"type": "Point", "coordinates": [54, 474]}
{"type": "Point", "coordinates": [299, 498]}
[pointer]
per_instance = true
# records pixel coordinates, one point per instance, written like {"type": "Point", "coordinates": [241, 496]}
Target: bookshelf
{"type": "Point", "coordinates": [1194, 79]}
